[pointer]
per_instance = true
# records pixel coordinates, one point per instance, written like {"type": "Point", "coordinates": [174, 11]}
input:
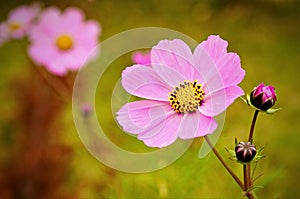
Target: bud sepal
{"type": "Point", "coordinates": [248, 101]}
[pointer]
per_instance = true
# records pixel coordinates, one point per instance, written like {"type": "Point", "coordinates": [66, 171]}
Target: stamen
{"type": "Point", "coordinates": [186, 97]}
{"type": "Point", "coordinates": [64, 42]}
{"type": "Point", "coordinates": [14, 26]}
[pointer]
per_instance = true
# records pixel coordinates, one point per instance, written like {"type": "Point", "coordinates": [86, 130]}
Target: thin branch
{"type": "Point", "coordinates": [238, 181]}
{"type": "Point", "coordinates": [250, 139]}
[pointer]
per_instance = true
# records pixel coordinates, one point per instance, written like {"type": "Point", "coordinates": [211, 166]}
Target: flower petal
{"type": "Point", "coordinates": [230, 69]}
{"type": "Point", "coordinates": [210, 75]}
{"type": "Point", "coordinates": [217, 101]}
{"type": "Point", "coordinates": [142, 81]}
{"type": "Point", "coordinates": [73, 17]}
{"type": "Point", "coordinates": [91, 30]}
{"type": "Point", "coordinates": [215, 47]}
{"type": "Point", "coordinates": [164, 133]}
{"type": "Point", "coordinates": [173, 61]}
{"type": "Point", "coordinates": [195, 125]}
{"type": "Point", "coordinates": [137, 116]}
{"type": "Point", "coordinates": [50, 17]}
{"type": "Point", "coordinates": [228, 64]}
{"type": "Point", "coordinates": [23, 16]}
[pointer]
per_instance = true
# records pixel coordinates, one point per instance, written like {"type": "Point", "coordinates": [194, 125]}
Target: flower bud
{"type": "Point", "coordinates": [86, 110]}
{"type": "Point", "coordinates": [245, 151]}
{"type": "Point", "coordinates": [263, 97]}
{"type": "Point", "coordinates": [143, 58]}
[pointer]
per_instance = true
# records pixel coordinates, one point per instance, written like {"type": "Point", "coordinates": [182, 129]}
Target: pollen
{"type": "Point", "coordinates": [186, 97]}
{"type": "Point", "coordinates": [14, 26]}
{"type": "Point", "coordinates": [64, 42]}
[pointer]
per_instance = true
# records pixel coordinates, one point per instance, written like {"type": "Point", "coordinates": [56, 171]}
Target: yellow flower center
{"type": "Point", "coordinates": [186, 97]}
{"type": "Point", "coordinates": [64, 42]}
{"type": "Point", "coordinates": [14, 26]}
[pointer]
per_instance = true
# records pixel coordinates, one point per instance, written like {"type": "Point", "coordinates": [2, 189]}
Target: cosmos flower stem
{"type": "Point", "coordinates": [238, 181]}
{"type": "Point", "coordinates": [67, 85]}
{"type": "Point", "coordinates": [52, 84]}
{"type": "Point", "coordinates": [247, 167]}
{"type": "Point", "coordinates": [250, 139]}
{"type": "Point", "coordinates": [247, 181]}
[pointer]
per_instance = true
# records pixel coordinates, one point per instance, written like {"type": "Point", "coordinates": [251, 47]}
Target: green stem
{"type": "Point", "coordinates": [250, 139]}
{"type": "Point", "coordinates": [51, 83]}
{"type": "Point", "coordinates": [249, 195]}
{"type": "Point", "coordinates": [247, 167]}
{"type": "Point", "coordinates": [246, 183]}
{"type": "Point", "coordinates": [238, 181]}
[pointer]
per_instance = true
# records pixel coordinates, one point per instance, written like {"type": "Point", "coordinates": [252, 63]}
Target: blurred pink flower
{"type": "Point", "coordinates": [4, 33]}
{"type": "Point", "coordinates": [142, 58]}
{"type": "Point", "coordinates": [63, 41]}
{"type": "Point", "coordinates": [184, 91]}
{"type": "Point", "coordinates": [86, 109]}
{"type": "Point", "coordinates": [18, 23]}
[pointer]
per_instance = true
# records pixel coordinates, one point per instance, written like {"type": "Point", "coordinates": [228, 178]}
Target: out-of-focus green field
{"type": "Point", "coordinates": [266, 36]}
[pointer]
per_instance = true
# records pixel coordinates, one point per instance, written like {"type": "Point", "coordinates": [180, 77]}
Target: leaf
{"type": "Point", "coordinates": [258, 157]}
{"type": "Point", "coordinates": [244, 100]}
{"type": "Point", "coordinates": [257, 187]}
{"type": "Point", "coordinates": [260, 150]}
{"type": "Point", "coordinates": [257, 177]}
{"type": "Point", "coordinates": [271, 111]}
{"type": "Point", "coordinates": [231, 152]}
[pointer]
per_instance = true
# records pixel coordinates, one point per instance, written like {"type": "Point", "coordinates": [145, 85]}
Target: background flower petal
{"type": "Point", "coordinates": [92, 30]}
{"type": "Point", "coordinates": [50, 17]}
{"type": "Point", "coordinates": [73, 17]}
{"type": "Point", "coordinates": [142, 58]}
{"type": "Point", "coordinates": [142, 81]}
{"type": "Point", "coordinates": [217, 101]}
{"type": "Point", "coordinates": [23, 16]}
{"type": "Point", "coordinates": [196, 125]}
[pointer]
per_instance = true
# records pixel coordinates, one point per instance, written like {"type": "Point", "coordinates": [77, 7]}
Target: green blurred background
{"type": "Point", "coordinates": [264, 33]}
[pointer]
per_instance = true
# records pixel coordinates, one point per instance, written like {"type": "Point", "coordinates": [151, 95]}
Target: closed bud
{"type": "Point", "coordinates": [245, 151]}
{"type": "Point", "coordinates": [263, 97]}
{"type": "Point", "coordinates": [86, 110]}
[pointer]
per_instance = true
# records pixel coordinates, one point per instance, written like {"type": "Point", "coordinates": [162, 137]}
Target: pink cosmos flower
{"type": "Point", "coordinates": [18, 23]}
{"type": "Point", "coordinates": [142, 58]}
{"type": "Point", "coordinates": [183, 91]}
{"type": "Point", "coordinates": [63, 41]}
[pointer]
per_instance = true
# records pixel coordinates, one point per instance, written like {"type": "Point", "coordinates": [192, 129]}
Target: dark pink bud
{"type": "Point", "coordinates": [245, 151]}
{"type": "Point", "coordinates": [263, 97]}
